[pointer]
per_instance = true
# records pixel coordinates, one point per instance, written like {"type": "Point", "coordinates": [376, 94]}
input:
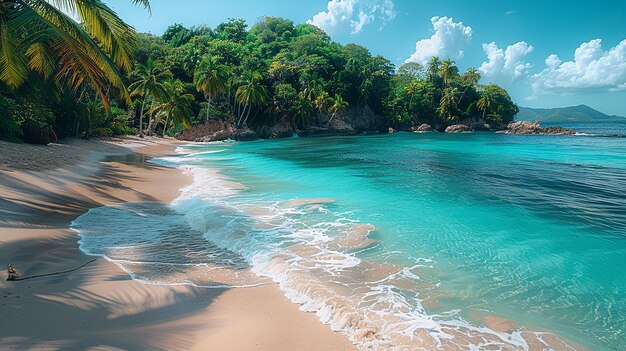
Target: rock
{"type": "Point", "coordinates": [480, 126]}
{"type": "Point", "coordinates": [524, 127]}
{"type": "Point", "coordinates": [211, 131]}
{"type": "Point", "coordinates": [391, 130]}
{"type": "Point", "coordinates": [281, 130]}
{"type": "Point", "coordinates": [558, 131]}
{"type": "Point", "coordinates": [423, 128]}
{"type": "Point", "coordinates": [243, 134]}
{"type": "Point", "coordinates": [459, 128]}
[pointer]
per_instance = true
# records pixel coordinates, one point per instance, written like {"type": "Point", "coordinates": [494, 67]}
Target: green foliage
{"type": "Point", "coordinates": [273, 71]}
{"type": "Point", "coordinates": [177, 35]}
{"type": "Point", "coordinates": [9, 112]}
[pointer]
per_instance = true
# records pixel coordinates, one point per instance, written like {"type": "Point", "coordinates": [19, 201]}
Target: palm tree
{"type": "Point", "coordinates": [338, 105]}
{"type": "Point", "coordinates": [176, 106]}
{"type": "Point", "coordinates": [322, 101]}
{"type": "Point", "coordinates": [448, 71]}
{"type": "Point", "coordinates": [40, 36]}
{"type": "Point", "coordinates": [251, 93]}
{"type": "Point", "coordinates": [471, 78]}
{"type": "Point", "coordinates": [150, 84]}
{"type": "Point", "coordinates": [412, 90]}
{"type": "Point", "coordinates": [434, 65]}
{"type": "Point", "coordinates": [447, 105]}
{"type": "Point", "coordinates": [485, 102]}
{"type": "Point", "coordinates": [211, 79]}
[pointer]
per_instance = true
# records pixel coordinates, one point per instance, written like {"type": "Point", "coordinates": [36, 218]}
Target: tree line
{"type": "Point", "coordinates": [101, 78]}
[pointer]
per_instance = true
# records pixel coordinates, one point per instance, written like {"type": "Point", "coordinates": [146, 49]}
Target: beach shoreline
{"type": "Point", "coordinates": [99, 306]}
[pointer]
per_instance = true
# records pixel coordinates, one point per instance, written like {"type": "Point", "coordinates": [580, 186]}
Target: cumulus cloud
{"type": "Point", "coordinates": [448, 41]}
{"type": "Point", "coordinates": [505, 66]}
{"type": "Point", "coordinates": [593, 69]}
{"type": "Point", "coordinates": [353, 15]}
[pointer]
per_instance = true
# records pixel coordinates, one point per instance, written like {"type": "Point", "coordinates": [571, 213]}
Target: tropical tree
{"type": "Point", "coordinates": [470, 78]}
{"type": "Point", "coordinates": [149, 85]}
{"type": "Point", "coordinates": [337, 106]}
{"type": "Point", "coordinates": [448, 71]}
{"type": "Point", "coordinates": [250, 93]}
{"type": "Point", "coordinates": [485, 102]}
{"type": "Point", "coordinates": [210, 78]}
{"type": "Point", "coordinates": [39, 36]}
{"type": "Point", "coordinates": [177, 105]}
{"type": "Point", "coordinates": [322, 101]}
{"type": "Point", "coordinates": [412, 89]}
{"type": "Point", "coordinates": [432, 71]}
{"type": "Point", "coordinates": [447, 105]}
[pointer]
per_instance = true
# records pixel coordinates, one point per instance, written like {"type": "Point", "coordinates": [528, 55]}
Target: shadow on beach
{"type": "Point", "coordinates": [98, 305]}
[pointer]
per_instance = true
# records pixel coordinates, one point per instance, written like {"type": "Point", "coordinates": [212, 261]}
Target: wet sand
{"type": "Point", "coordinates": [98, 306]}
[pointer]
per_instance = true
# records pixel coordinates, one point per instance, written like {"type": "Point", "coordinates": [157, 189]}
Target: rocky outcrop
{"type": "Point", "coordinates": [212, 131]}
{"type": "Point", "coordinates": [243, 134]}
{"type": "Point", "coordinates": [524, 127]}
{"type": "Point", "coordinates": [364, 120]}
{"type": "Point", "coordinates": [458, 128]}
{"type": "Point", "coordinates": [423, 128]}
{"type": "Point", "coordinates": [480, 126]}
{"type": "Point", "coordinates": [352, 121]}
{"type": "Point", "coordinates": [217, 136]}
{"type": "Point", "coordinates": [278, 130]}
{"type": "Point", "coordinates": [336, 127]}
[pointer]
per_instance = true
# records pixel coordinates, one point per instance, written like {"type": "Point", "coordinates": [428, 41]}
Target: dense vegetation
{"type": "Point", "coordinates": [274, 72]}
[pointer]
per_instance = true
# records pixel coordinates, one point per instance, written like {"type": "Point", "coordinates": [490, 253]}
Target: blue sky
{"type": "Point", "coordinates": [546, 53]}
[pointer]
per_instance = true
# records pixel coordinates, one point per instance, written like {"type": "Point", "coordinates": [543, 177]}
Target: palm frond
{"type": "Point", "coordinates": [13, 69]}
{"type": "Point", "coordinates": [80, 59]}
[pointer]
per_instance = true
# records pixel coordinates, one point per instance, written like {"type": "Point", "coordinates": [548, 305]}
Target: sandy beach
{"type": "Point", "coordinates": [98, 306]}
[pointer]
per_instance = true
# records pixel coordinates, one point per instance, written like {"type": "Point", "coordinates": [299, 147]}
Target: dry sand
{"type": "Point", "coordinates": [98, 307]}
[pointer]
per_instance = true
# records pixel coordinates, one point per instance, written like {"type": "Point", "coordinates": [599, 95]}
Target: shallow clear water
{"type": "Point", "coordinates": [403, 236]}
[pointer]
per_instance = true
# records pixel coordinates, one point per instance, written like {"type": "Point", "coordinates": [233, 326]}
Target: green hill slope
{"type": "Point", "coordinates": [563, 114]}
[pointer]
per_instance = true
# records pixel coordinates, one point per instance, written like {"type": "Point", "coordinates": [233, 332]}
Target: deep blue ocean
{"type": "Point", "coordinates": [452, 241]}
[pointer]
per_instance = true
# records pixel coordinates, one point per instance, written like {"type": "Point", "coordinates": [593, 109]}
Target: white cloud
{"type": "Point", "coordinates": [448, 41]}
{"type": "Point", "coordinates": [353, 15]}
{"type": "Point", "coordinates": [505, 66]}
{"type": "Point", "coordinates": [593, 69]}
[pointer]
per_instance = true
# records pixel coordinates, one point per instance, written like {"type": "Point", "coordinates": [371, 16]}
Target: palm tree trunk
{"type": "Point", "coordinates": [242, 113]}
{"type": "Point", "coordinates": [484, 111]}
{"type": "Point", "coordinates": [150, 120]}
{"type": "Point", "coordinates": [141, 118]}
{"type": "Point", "coordinates": [331, 119]}
{"type": "Point", "coordinates": [247, 115]}
{"type": "Point", "coordinates": [208, 107]}
{"type": "Point", "coordinates": [167, 122]}
{"type": "Point", "coordinates": [461, 97]}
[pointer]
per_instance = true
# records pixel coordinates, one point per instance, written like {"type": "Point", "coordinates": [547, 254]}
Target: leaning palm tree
{"type": "Point", "coordinates": [485, 102]}
{"type": "Point", "coordinates": [39, 36]}
{"type": "Point", "coordinates": [150, 85]}
{"type": "Point", "coordinates": [251, 93]}
{"type": "Point", "coordinates": [448, 71]}
{"type": "Point", "coordinates": [471, 78]}
{"type": "Point", "coordinates": [176, 106]}
{"type": "Point", "coordinates": [338, 105]}
{"type": "Point", "coordinates": [447, 105]}
{"type": "Point", "coordinates": [211, 79]}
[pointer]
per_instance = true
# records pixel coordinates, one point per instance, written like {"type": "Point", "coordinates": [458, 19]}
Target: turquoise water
{"type": "Point", "coordinates": [527, 228]}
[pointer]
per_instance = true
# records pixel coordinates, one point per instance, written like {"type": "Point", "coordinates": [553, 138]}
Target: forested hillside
{"type": "Point", "coordinates": [268, 80]}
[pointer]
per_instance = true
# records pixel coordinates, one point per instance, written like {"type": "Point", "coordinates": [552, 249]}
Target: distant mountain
{"type": "Point", "coordinates": [578, 113]}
